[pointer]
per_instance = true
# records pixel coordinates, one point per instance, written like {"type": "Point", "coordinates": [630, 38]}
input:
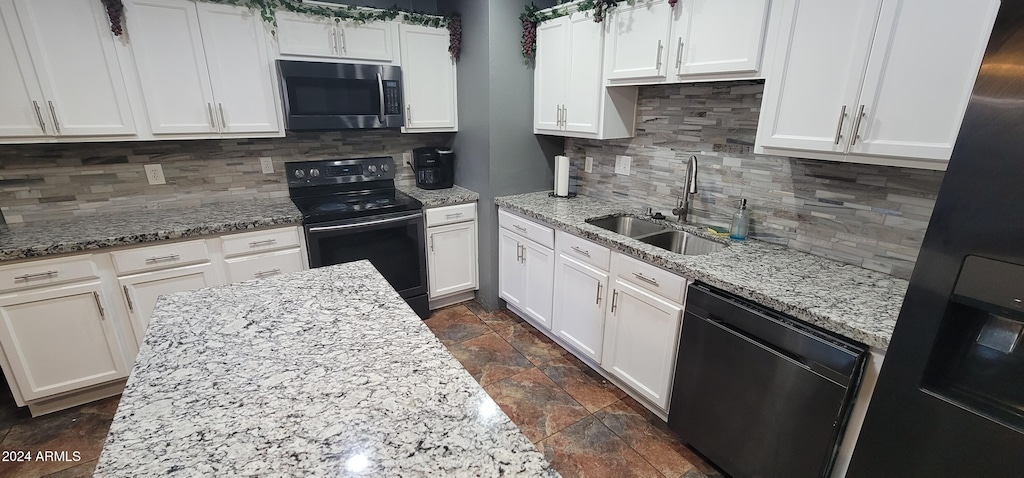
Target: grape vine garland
{"type": "Point", "coordinates": [346, 13]}
{"type": "Point", "coordinates": [532, 15]}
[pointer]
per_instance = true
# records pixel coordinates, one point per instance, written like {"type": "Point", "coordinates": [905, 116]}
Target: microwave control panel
{"type": "Point", "coordinates": [392, 98]}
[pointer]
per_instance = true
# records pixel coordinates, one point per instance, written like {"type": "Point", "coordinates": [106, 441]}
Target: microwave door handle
{"type": "Point", "coordinates": [380, 89]}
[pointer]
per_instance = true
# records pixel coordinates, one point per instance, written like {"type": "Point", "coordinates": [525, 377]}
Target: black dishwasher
{"type": "Point", "coordinates": [758, 393]}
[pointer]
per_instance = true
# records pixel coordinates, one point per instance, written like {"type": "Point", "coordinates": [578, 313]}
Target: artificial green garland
{"type": "Point", "coordinates": [532, 15]}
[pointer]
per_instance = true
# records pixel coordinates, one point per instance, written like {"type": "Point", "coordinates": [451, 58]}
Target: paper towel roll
{"type": "Point", "coordinates": [561, 175]}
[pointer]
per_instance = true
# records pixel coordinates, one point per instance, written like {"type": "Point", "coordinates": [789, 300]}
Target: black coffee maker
{"type": "Point", "coordinates": [434, 167]}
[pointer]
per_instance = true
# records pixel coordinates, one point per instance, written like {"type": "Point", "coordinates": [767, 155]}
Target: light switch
{"type": "Point", "coordinates": [622, 164]}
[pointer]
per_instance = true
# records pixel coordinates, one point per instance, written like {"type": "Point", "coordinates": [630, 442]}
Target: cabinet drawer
{"type": "Point", "coordinates": [449, 214]}
{"type": "Point", "coordinates": [662, 282]}
{"type": "Point", "coordinates": [542, 235]}
{"type": "Point", "coordinates": [46, 272]}
{"type": "Point", "coordinates": [262, 241]}
{"type": "Point", "coordinates": [264, 265]}
{"type": "Point", "coordinates": [159, 257]}
{"type": "Point", "coordinates": [583, 250]}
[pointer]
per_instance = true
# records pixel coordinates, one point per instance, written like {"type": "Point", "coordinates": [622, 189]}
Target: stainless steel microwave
{"type": "Point", "coordinates": [322, 96]}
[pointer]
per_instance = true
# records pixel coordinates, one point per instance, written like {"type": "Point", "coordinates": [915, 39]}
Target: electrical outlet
{"type": "Point", "coordinates": [588, 166]}
{"type": "Point", "coordinates": [155, 174]}
{"type": "Point", "coordinates": [622, 164]}
{"type": "Point", "coordinates": [267, 164]}
{"type": "Point", "coordinates": [406, 159]}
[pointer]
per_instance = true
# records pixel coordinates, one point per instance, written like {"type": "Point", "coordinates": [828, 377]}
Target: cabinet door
{"type": "Point", "coordinates": [168, 51]}
{"type": "Point", "coordinates": [235, 43]}
{"type": "Point", "coordinates": [73, 53]}
{"type": "Point", "coordinates": [539, 262]}
{"type": "Point", "coordinates": [810, 96]}
{"type": "Point", "coordinates": [580, 292]}
{"type": "Point", "coordinates": [641, 333]}
{"type": "Point", "coordinates": [22, 100]}
{"type": "Point", "coordinates": [306, 35]}
{"type": "Point", "coordinates": [368, 41]}
{"type": "Point", "coordinates": [141, 291]}
{"type": "Point", "coordinates": [549, 74]}
{"type": "Point", "coordinates": [638, 40]}
{"type": "Point", "coordinates": [719, 36]}
{"type": "Point", "coordinates": [583, 83]}
{"type": "Point", "coordinates": [923, 64]}
{"type": "Point", "coordinates": [60, 339]}
{"type": "Point", "coordinates": [453, 258]}
{"type": "Point", "coordinates": [511, 272]}
{"type": "Point", "coordinates": [428, 79]}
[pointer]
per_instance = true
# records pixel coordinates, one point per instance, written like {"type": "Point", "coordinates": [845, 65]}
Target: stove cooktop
{"type": "Point", "coordinates": [337, 189]}
{"type": "Point", "coordinates": [340, 206]}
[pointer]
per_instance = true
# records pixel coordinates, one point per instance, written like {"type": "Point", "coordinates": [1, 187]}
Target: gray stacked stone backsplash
{"type": "Point", "coordinates": [49, 181]}
{"type": "Point", "coordinates": [870, 216]}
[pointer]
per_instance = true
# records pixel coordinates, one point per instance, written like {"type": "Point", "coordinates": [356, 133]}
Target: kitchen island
{"type": "Point", "coordinates": [316, 373]}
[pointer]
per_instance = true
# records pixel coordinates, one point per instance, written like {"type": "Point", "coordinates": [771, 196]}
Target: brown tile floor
{"type": "Point", "coordinates": [585, 426]}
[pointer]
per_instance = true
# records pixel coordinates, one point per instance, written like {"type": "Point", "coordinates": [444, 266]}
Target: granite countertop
{"type": "Point", "coordinates": [325, 372]}
{"type": "Point", "coordinates": [852, 301]}
{"type": "Point", "coordinates": [440, 197]}
{"type": "Point", "coordinates": [34, 239]}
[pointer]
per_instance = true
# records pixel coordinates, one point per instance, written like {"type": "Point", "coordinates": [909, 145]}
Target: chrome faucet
{"type": "Point", "coordinates": [682, 209]}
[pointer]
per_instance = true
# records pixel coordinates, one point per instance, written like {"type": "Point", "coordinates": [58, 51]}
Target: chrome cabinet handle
{"type": "Point", "coordinates": [660, 46]}
{"type": "Point", "coordinates": [408, 115]}
{"type": "Point", "coordinates": [645, 278]}
{"type": "Point", "coordinates": [839, 129]}
{"type": "Point", "coordinates": [103, 313]}
{"type": "Point", "coordinates": [53, 112]}
{"type": "Point", "coordinates": [265, 242]}
{"type": "Point", "coordinates": [519, 253]}
{"type": "Point", "coordinates": [39, 115]}
{"type": "Point", "coordinates": [524, 254]}
{"type": "Point", "coordinates": [332, 41]}
{"type": "Point", "coordinates": [38, 275]}
{"type": "Point", "coordinates": [599, 293]}
{"type": "Point", "coordinates": [453, 216]}
{"type": "Point", "coordinates": [679, 54]}
{"type": "Point", "coordinates": [431, 243]}
{"type": "Point", "coordinates": [521, 228]}
{"type": "Point", "coordinates": [856, 125]}
{"type": "Point", "coordinates": [262, 274]}
{"type": "Point", "coordinates": [341, 43]}
{"type": "Point", "coordinates": [171, 258]}
{"type": "Point", "coordinates": [565, 116]}
{"type": "Point", "coordinates": [581, 251]}
{"type": "Point", "coordinates": [209, 109]}
{"type": "Point", "coordinates": [615, 296]}
{"type": "Point", "coordinates": [127, 297]}
{"type": "Point", "coordinates": [223, 122]}
{"type": "Point", "coordinates": [558, 115]}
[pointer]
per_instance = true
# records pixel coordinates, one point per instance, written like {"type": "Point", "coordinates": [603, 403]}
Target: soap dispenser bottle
{"type": "Point", "coordinates": [740, 222]}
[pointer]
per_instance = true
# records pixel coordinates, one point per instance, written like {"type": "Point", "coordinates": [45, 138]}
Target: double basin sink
{"type": "Point", "coordinates": [657, 235]}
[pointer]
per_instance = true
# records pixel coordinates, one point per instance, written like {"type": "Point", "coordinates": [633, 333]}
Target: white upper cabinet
{"type": "Point", "coordinates": [64, 50]}
{"type": "Point", "coordinates": [638, 41]}
{"type": "Point", "coordinates": [881, 81]}
{"type": "Point", "coordinates": [204, 68]}
{"type": "Point", "coordinates": [428, 80]}
{"type": "Point", "coordinates": [550, 80]}
{"type": "Point", "coordinates": [240, 69]}
{"type": "Point", "coordinates": [920, 75]}
{"type": "Point", "coordinates": [718, 36]}
{"type": "Point", "coordinates": [309, 35]}
{"type": "Point", "coordinates": [582, 108]}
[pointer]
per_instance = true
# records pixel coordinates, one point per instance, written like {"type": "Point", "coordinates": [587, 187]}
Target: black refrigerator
{"type": "Point", "coordinates": [950, 397]}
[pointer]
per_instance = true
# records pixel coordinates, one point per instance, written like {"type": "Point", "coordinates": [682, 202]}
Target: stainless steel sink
{"type": "Point", "coordinates": [627, 225]}
{"type": "Point", "coordinates": [682, 243]}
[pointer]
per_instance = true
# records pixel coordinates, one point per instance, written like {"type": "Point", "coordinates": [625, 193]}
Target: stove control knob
{"type": "Point", "coordinates": [314, 173]}
{"type": "Point", "coordinates": [372, 168]}
{"type": "Point", "coordinates": [299, 173]}
{"type": "Point", "coordinates": [384, 168]}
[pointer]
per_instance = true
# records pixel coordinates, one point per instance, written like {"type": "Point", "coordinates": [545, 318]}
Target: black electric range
{"type": "Point", "coordinates": [351, 211]}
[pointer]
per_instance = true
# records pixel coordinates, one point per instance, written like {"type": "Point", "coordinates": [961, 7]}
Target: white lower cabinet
{"type": "Point", "coordinates": [59, 339]}
{"type": "Point", "coordinates": [142, 290]}
{"type": "Point", "coordinates": [526, 270]}
{"type": "Point", "coordinates": [451, 252]}
{"type": "Point", "coordinates": [580, 292]}
{"type": "Point", "coordinates": [511, 273]}
{"type": "Point", "coordinates": [641, 336]}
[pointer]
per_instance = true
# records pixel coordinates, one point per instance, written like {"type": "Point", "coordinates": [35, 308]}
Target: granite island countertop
{"type": "Point", "coordinates": [59, 236]}
{"type": "Point", "coordinates": [851, 301]}
{"type": "Point", "coordinates": [325, 372]}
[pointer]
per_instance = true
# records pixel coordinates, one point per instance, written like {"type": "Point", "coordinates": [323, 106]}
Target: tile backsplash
{"type": "Point", "coordinates": [49, 181]}
{"type": "Point", "coordinates": [870, 216]}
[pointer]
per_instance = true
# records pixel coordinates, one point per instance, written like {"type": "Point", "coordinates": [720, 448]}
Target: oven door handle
{"type": "Point", "coordinates": [363, 224]}
{"type": "Point", "coordinates": [380, 90]}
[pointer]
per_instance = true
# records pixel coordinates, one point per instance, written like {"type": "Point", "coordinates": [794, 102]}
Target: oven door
{"type": "Point", "coordinates": [332, 96]}
{"type": "Point", "coordinates": [393, 243]}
